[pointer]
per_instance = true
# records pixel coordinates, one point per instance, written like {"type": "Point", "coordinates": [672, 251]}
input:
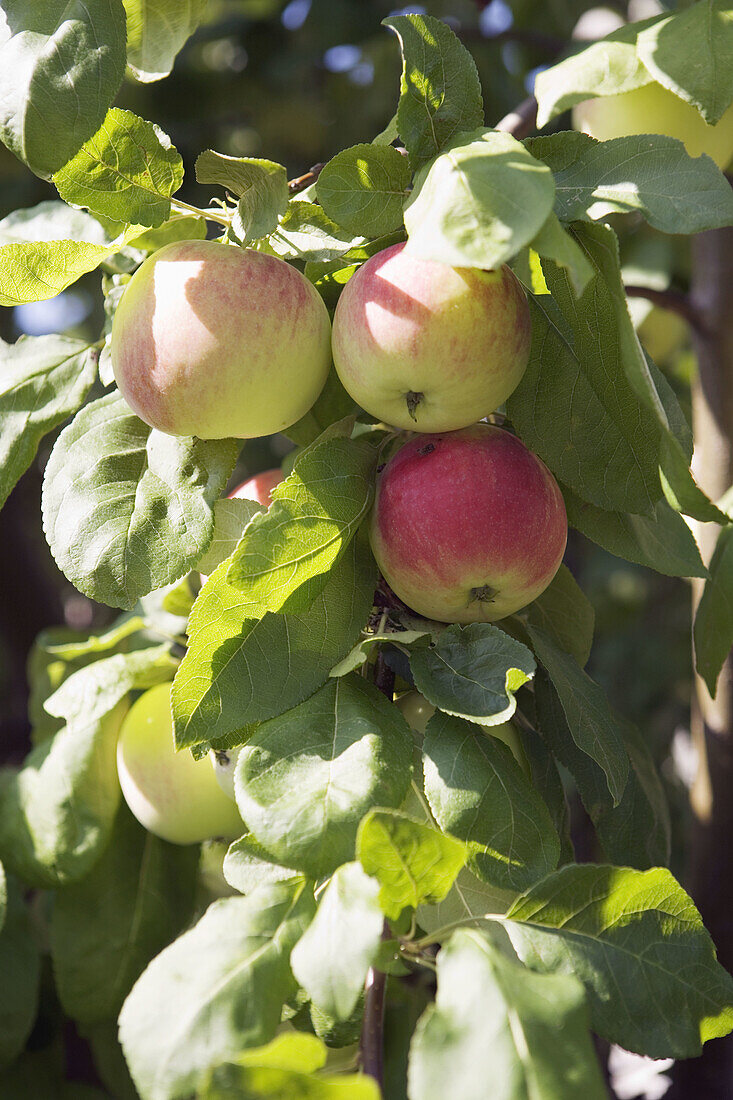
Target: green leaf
{"type": "Point", "coordinates": [34, 271]}
{"type": "Point", "coordinates": [363, 189]}
{"type": "Point", "coordinates": [564, 612]}
{"type": "Point", "coordinates": [261, 186]}
{"type": "Point", "coordinates": [127, 509]}
{"type": "Point", "coordinates": [479, 202]}
{"type": "Point", "coordinates": [412, 861]}
{"type": "Point", "coordinates": [286, 556]}
{"type": "Point", "coordinates": [217, 990]}
{"type": "Point", "coordinates": [231, 517]}
{"type": "Point", "coordinates": [57, 811]}
{"type": "Point", "coordinates": [639, 946]}
{"type": "Point", "coordinates": [574, 406]}
{"type": "Point", "coordinates": [691, 54]}
{"type": "Point", "coordinates": [247, 865]}
{"type": "Point", "coordinates": [304, 780]}
{"type": "Point", "coordinates": [647, 173]}
{"type": "Point", "coordinates": [239, 670]}
{"type": "Point", "coordinates": [106, 928]}
{"type": "Point", "coordinates": [331, 960]}
{"type": "Point", "coordinates": [360, 653]}
{"type": "Point", "coordinates": [495, 1021]}
{"type": "Point", "coordinates": [262, 1082]}
{"type": "Point", "coordinates": [636, 832]}
{"type": "Point", "coordinates": [20, 966]}
{"type": "Point", "coordinates": [662, 541]}
{"type": "Point", "coordinates": [546, 780]}
{"type": "Point", "coordinates": [51, 220]}
{"type": "Point", "coordinates": [333, 404]}
{"type": "Point", "coordinates": [177, 229]}
{"type": "Point", "coordinates": [127, 171]}
{"type": "Point", "coordinates": [306, 233]}
{"type": "Point", "coordinates": [608, 67]}
{"type": "Point", "coordinates": [593, 725]}
{"type": "Point", "coordinates": [468, 901]}
{"type": "Point", "coordinates": [713, 630]}
{"type": "Point", "coordinates": [156, 31]}
{"type": "Point", "coordinates": [479, 793]}
{"type": "Point", "coordinates": [555, 243]}
{"type": "Point", "coordinates": [43, 380]}
{"type": "Point", "coordinates": [59, 652]}
{"type": "Point", "coordinates": [440, 91]}
{"type": "Point", "coordinates": [473, 671]}
{"type": "Point", "coordinates": [61, 66]}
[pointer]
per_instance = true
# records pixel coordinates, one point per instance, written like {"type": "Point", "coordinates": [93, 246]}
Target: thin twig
{"type": "Point", "coordinates": [521, 121]}
{"type": "Point", "coordinates": [301, 182]}
{"type": "Point", "coordinates": [675, 300]}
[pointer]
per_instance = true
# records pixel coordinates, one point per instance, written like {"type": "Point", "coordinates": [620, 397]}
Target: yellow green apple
{"type": "Point", "coordinates": [426, 346]}
{"type": "Point", "coordinates": [172, 795]}
{"type": "Point", "coordinates": [213, 340]}
{"type": "Point", "coordinates": [653, 109]}
{"type": "Point", "coordinates": [467, 526]}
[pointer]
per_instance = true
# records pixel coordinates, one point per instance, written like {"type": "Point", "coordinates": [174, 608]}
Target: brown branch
{"type": "Point", "coordinates": [301, 182]}
{"type": "Point", "coordinates": [521, 121]}
{"type": "Point", "coordinates": [675, 300]}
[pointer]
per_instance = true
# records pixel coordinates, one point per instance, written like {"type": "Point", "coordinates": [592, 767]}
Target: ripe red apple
{"type": "Point", "coordinates": [259, 487]}
{"type": "Point", "coordinates": [423, 345]}
{"type": "Point", "coordinates": [214, 340]}
{"type": "Point", "coordinates": [467, 526]}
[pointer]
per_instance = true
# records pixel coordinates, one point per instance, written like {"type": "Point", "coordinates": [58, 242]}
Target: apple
{"type": "Point", "coordinates": [467, 526]}
{"type": "Point", "coordinates": [423, 345]}
{"type": "Point", "coordinates": [214, 340]}
{"type": "Point", "coordinates": [418, 712]}
{"type": "Point", "coordinates": [653, 109]}
{"type": "Point", "coordinates": [224, 761]}
{"type": "Point", "coordinates": [259, 487]}
{"type": "Point", "coordinates": [172, 795]}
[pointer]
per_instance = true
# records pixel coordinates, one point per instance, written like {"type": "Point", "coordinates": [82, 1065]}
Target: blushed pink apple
{"type": "Point", "coordinates": [423, 345]}
{"type": "Point", "coordinates": [467, 526]}
{"type": "Point", "coordinates": [259, 487]}
{"type": "Point", "coordinates": [214, 340]}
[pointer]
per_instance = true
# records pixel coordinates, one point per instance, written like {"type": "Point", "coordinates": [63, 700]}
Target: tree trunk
{"type": "Point", "coordinates": [710, 874]}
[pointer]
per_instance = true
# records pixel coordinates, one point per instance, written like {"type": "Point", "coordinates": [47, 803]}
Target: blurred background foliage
{"type": "Point", "coordinates": [296, 82]}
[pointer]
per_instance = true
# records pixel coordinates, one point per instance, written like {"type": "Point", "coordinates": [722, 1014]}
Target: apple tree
{"type": "Point", "coordinates": [296, 823]}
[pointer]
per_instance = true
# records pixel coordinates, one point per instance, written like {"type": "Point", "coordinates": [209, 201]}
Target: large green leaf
{"type": "Point", "coordinates": [247, 865]}
{"type": "Point", "coordinates": [306, 233]}
{"type": "Point", "coordinates": [608, 67]}
{"type": "Point", "coordinates": [20, 966]}
{"type": "Point", "coordinates": [440, 91]}
{"type": "Point", "coordinates": [156, 31]}
{"type": "Point", "coordinates": [594, 727]}
{"type": "Point", "coordinates": [636, 832]}
{"type": "Point", "coordinates": [473, 671]}
{"type": "Point", "coordinates": [662, 541]}
{"type": "Point", "coordinates": [468, 901]}
{"type": "Point", "coordinates": [239, 670]}
{"type": "Point", "coordinates": [691, 54]}
{"type": "Point", "coordinates": [127, 171]}
{"type": "Point", "coordinates": [127, 509]}
{"type": "Point", "coordinates": [638, 945]}
{"type": "Point", "coordinates": [106, 928]}
{"type": "Point", "coordinates": [565, 613]}
{"type": "Point", "coordinates": [331, 960]}
{"type": "Point", "coordinates": [34, 271]}
{"type": "Point", "coordinates": [479, 202]}
{"type": "Point", "coordinates": [493, 1021]}
{"type": "Point", "coordinates": [305, 779]}
{"type": "Point", "coordinates": [57, 811]}
{"type": "Point", "coordinates": [216, 991]}
{"type": "Point", "coordinates": [287, 553]}
{"type": "Point", "coordinates": [230, 520]}
{"type": "Point", "coordinates": [363, 189]}
{"type": "Point", "coordinates": [714, 619]}
{"type": "Point", "coordinates": [413, 862]}
{"type": "Point", "coordinates": [479, 793]}
{"type": "Point", "coordinates": [43, 380]}
{"type": "Point", "coordinates": [61, 65]}
{"type": "Point", "coordinates": [648, 173]}
{"type": "Point", "coordinates": [574, 406]}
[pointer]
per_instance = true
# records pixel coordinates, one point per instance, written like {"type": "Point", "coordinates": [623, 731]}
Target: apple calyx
{"type": "Point", "coordinates": [412, 400]}
{"type": "Point", "coordinates": [485, 593]}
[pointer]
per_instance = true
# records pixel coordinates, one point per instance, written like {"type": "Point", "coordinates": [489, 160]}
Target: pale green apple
{"type": "Point", "coordinates": [214, 340]}
{"type": "Point", "coordinates": [172, 795]}
{"type": "Point", "coordinates": [653, 109]}
{"type": "Point", "coordinates": [224, 761]}
{"type": "Point", "coordinates": [426, 346]}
